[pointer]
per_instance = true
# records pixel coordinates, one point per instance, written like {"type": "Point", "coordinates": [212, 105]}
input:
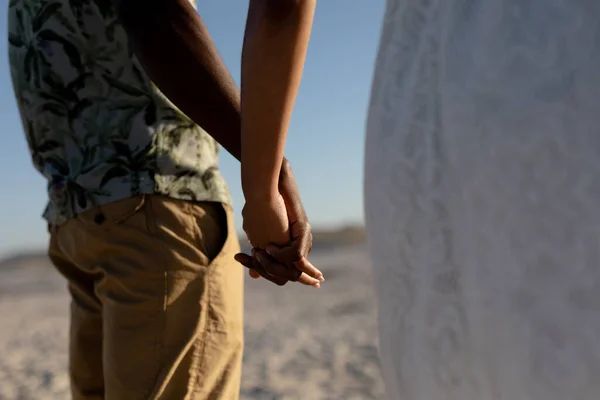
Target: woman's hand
{"type": "Point", "coordinates": [266, 221]}
{"type": "Point", "coordinates": [288, 263]}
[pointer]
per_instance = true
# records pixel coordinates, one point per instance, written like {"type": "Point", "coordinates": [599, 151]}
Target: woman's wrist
{"type": "Point", "coordinates": [260, 180]}
{"type": "Point", "coordinates": [259, 191]}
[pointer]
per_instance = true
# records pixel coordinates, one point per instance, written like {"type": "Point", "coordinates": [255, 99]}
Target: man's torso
{"type": "Point", "coordinates": [97, 128]}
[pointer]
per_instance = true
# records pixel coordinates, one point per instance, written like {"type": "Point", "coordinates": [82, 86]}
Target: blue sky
{"type": "Point", "coordinates": [325, 141]}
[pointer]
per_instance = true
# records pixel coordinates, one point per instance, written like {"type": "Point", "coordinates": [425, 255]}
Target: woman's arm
{"type": "Point", "coordinates": [275, 44]}
{"type": "Point", "coordinates": [176, 50]}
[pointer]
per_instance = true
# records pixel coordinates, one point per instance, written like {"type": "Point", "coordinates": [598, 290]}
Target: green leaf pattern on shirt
{"type": "Point", "coordinates": [96, 126]}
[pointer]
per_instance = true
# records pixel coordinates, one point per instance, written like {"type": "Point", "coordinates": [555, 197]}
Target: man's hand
{"type": "Point", "coordinates": [289, 263]}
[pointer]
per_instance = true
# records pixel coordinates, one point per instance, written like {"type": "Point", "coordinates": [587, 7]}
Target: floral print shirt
{"type": "Point", "coordinates": [96, 126]}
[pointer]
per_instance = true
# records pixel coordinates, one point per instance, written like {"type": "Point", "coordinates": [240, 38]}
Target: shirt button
{"type": "Point", "coordinates": [99, 218]}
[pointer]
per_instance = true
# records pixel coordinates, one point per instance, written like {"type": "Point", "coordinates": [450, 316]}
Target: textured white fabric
{"type": "Point", "coordinates": [482, 193]}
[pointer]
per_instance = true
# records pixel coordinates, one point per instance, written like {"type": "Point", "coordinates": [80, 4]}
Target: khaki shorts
{"type": "Point", "coordinates": [157, 300]}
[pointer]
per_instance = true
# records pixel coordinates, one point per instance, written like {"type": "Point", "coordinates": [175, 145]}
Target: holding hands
{"type": "Point", "coordinates": [278, 229]}
{"type": "Point", "coordinates": [273, 54]}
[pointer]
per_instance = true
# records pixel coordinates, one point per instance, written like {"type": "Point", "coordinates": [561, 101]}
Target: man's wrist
{"type": "Point", "coordinates": [285, 170]}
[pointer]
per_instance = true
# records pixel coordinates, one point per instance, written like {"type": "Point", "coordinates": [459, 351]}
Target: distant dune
{"type": "Point", "coordinates": [322, 240]}
{"type": "Point", "coordinates": [24, 259]}
{"type": "Point", "coordinates": [328, 239]}
{"type": "Point", "coordinates": [301, 343]}
{"type": "Point", "coordinates": [347, 236]}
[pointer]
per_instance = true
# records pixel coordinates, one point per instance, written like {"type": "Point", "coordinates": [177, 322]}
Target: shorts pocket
{"type": "Point", "coordinates": [213, 232]}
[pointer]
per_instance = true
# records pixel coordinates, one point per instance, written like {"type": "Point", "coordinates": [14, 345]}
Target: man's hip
{"type": "Point", "coordinates": [167, 291]}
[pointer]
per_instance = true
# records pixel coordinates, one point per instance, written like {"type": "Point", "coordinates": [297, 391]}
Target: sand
{"type": "Point", "coordinates": [301, 343]}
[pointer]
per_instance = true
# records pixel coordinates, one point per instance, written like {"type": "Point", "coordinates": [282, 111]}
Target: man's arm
{"type": "Point", "coordinates": [176, 50]}
{"type": "Point", "coordinates": [275, 44]}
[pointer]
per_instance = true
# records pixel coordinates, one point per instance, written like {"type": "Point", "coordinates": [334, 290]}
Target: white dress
{"type": "Point", "coordinates": [482, 193]}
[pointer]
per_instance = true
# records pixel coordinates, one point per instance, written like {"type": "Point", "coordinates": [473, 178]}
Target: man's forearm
{"type": "Point", "coordinates": [176, 50]}
{"type": "Point", "coordinates": [275, 44]}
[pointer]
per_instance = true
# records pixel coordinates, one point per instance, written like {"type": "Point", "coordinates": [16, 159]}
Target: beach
{"type": "Point", "coordinates": [301, 343]}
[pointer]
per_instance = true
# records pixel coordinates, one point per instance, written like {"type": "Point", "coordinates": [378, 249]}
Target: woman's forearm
{"type": "Point", "coordinates": [275, 44]}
